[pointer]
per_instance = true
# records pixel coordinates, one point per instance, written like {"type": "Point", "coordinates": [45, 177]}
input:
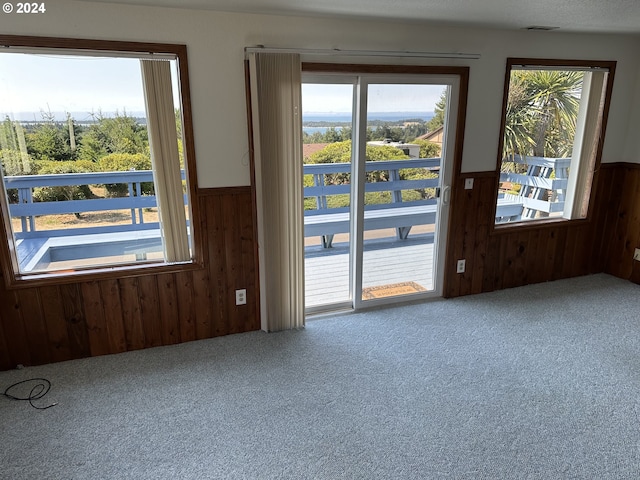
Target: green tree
{"type": "Point", "coordinates": [119, 134]}
{"type": "Point", "coordinates": [438, 110]}
{"type": "Point", "coordinates": [387, 132]}
{"type": "Point", "coordinates": [49, 141]}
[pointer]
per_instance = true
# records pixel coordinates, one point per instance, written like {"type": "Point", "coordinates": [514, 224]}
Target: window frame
{"type": "Point", "coordinates": [591, 181]}
{"type": "Point", "coordinates": [8, 255]}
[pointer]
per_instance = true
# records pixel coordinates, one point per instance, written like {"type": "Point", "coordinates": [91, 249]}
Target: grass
{"type": "Point", "coordinates": [86, 219]}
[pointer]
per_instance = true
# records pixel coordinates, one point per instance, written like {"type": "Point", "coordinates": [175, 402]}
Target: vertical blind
{"type": "Point", "coordinates": [275, 80]}
{"type": "Point", "coordinates": [163, 141]}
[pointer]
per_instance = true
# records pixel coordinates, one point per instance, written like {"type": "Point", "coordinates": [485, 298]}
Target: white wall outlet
{"type": "Point", "coordinates": [241, 297]}
{"type": "Point", "coordinates": [636, 254]}
{"type": "Point", "coordinates": [461, 266]}
{"type": "Point", "coordinates": [468, 184]}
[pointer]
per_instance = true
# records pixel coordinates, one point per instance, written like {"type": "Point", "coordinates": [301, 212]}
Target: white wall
{"type": "Point", "coordinates": [632, 150]}
{"type": "Point", "coordinates": [216, 41]}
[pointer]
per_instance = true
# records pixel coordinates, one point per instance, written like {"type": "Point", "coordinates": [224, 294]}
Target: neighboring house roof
{"type": "Point", "coordinates": [309, 149]}
{"type": "Point", "coordinates": [435, 136]}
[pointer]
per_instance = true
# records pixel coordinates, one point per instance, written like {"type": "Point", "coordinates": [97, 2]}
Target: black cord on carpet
{"type": "Point", "coordinates": [39, 390]}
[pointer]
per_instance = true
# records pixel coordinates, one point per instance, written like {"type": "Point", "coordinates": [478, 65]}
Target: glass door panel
{"type": "Point", "coordinates": [405, 125]}
{"type": "Point", "coordinates": [376, 186]}
{"type": "Point", "coordinates": [327, 125]}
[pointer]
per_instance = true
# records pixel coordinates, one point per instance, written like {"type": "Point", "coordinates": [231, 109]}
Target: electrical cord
{"type": "Point", "coordinates": [39, 390]}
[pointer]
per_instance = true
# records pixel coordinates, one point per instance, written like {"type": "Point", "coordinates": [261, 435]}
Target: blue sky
{"type": "Point", "coordinates": [318, 98]}
{"type": "Point", "coordinates": [81, 85]}
{"type": "Point", "coordinates": [78, 84]}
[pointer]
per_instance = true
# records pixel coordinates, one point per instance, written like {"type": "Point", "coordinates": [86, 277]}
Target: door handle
{"type": "Point", "coordinates": [446, 194]}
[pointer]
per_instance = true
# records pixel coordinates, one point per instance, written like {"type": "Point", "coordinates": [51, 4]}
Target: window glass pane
{"type": "Point", "coordinates": [77, 163]}
{"type": "Point", "coordinates": [540, 127]}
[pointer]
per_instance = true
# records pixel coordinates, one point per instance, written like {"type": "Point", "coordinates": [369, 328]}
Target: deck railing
{"type": "Point", "coordinates": [27, 209]}
{"type": "Point", "coordinates": [320, 190]}
{"type": "Point", "coordinates": [539, 179]}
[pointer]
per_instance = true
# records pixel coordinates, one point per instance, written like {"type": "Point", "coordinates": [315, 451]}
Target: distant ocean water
{"type": "Point", "coordinates": [346, 117]}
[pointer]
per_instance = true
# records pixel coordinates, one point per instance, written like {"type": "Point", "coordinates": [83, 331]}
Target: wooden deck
{"type": "Point", "coordinates": [386, 262]}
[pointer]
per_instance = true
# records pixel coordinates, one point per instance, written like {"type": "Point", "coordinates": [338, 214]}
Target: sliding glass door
{"type": "Point", "coordinates": [376, 187]}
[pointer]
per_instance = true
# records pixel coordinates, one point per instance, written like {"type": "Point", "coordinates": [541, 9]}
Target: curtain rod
{"type": "Point", "coordinates": [73, 52]}
{"type": "Point", "coordinates": [361, 53]}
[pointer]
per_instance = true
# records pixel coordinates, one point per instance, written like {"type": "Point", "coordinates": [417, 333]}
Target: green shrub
{"type": "Point", "coordinates": [70, 192]}
{"type": "Point", "coordinates": [122, 162]}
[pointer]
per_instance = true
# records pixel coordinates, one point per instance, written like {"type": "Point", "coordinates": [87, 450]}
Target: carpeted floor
{"type": "Point", "coordinates": [539, 382]}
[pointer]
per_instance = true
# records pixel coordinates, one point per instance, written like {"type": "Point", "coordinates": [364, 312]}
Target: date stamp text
{"type": "Point", "coordinates": [24, 7]}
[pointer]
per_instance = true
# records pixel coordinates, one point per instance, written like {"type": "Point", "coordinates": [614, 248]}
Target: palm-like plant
{"type": "Point", "coordinates": [542, 109]}
{"type": "Point", "coordinates": [518, 118]}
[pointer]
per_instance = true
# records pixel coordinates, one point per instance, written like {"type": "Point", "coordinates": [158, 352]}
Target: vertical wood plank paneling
{"type": "Point", "coordinates": [233, 263]}
{"type": "Point", "coordinates": [54, 318]}
{"type": "Point", "coordinates": [468, 243]}
{"type": "Point", "coordinates": [131, 313]}
{"type": "Point", "coordinates": [486, 192]}
{"type": "Point", "coordinates": [250, 318]}
{"type": "Point", "coordinates": [5, 358]}
{"type": "Point", "coordinates": [150, 310]}
{"type": "Point", "coordinates": [508, 253]}
{"type": "Point", "coordinates": [611, 219]}
{"type": "Point", "coordinates": [75, 319]}
{"type": "Point", "coordinates": [186, 306]}
{"type": "Point", "coordinates": [202, 299]}
{"type": "Point", "coordinates": [558, 253]}
{"type": "Point", "coordinates": [14, 330]}
{"type": "Point", "coordinates": [35, 328]}
{"type": "Point", "coordinates": [217, 265]}
{"type": "Point", "coordinates": [568, 253]}
{"type": "Point", "coordinates": [583, 259]}
{"type": "Point", "coordinates": [460, 201]}
{"type": "Point", "coordinates": [505, 258]}
{"type": "Point", "coordinates": [113, 316]}
{"type": "Point", "coordinates": [607, 207]}
{"type": "Point", "coordinates": [532, 273]}
{"type": "Point", "coordinates": [633, 235]}
{"type": "Point", "coordinates": [170, 323]}
{"type": "Point", "coordinates": [620, 244]}
{"type": "Point", "coordinates": [66, 321]}
{"type": "Point", "coordinates": [96, 322]}
{"type": "Point", "coordinates": [549, 255]}
{"type": "Point", "coordinates": [619, 255]}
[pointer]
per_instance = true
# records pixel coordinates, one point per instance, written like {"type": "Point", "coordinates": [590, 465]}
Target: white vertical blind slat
{"type": "Point", "coordinates": [277, 130]}
{"type": "Point", "coordinates": [161, 124]}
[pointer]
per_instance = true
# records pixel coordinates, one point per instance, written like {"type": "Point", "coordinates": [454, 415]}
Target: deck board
{"type": "Point", "coordinates": [384, 263]}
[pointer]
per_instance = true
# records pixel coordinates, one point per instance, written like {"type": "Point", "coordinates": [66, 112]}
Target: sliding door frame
{"type": "Point", "coordinates": [457, 77]}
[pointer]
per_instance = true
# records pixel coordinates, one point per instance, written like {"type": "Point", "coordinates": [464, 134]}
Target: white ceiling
{"type": "Point", "coordinates": [616, 16]}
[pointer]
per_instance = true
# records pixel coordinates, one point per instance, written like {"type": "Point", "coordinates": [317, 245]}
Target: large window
{"type": "Point", "coordinates": [553, 127]}
{"type": "Point", "coordinates": [96, 151]}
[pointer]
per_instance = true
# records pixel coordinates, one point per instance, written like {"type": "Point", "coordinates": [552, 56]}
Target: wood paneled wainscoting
{"type": "Point", "coordinates": [622, 224]}
{"type": "Point", "coordinates": [511, 257]}
{"type": "Point", "coordinates": [73, 320]}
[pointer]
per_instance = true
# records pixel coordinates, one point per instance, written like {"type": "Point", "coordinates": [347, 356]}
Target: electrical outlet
{"type": "Point", "coordinates": [468, 184]}
{"type": "Point", "coordinates": [241, 297]}
{"type": "Point", "coordinates": [636, 254]}
{"type": "Point", "coordinates": [460, 266]}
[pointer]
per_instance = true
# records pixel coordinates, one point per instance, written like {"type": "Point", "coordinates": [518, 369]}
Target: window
{"type": "Point", "coordinates": [552, 133]}
{"type": "Point", "coordinates": [97, 156]}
